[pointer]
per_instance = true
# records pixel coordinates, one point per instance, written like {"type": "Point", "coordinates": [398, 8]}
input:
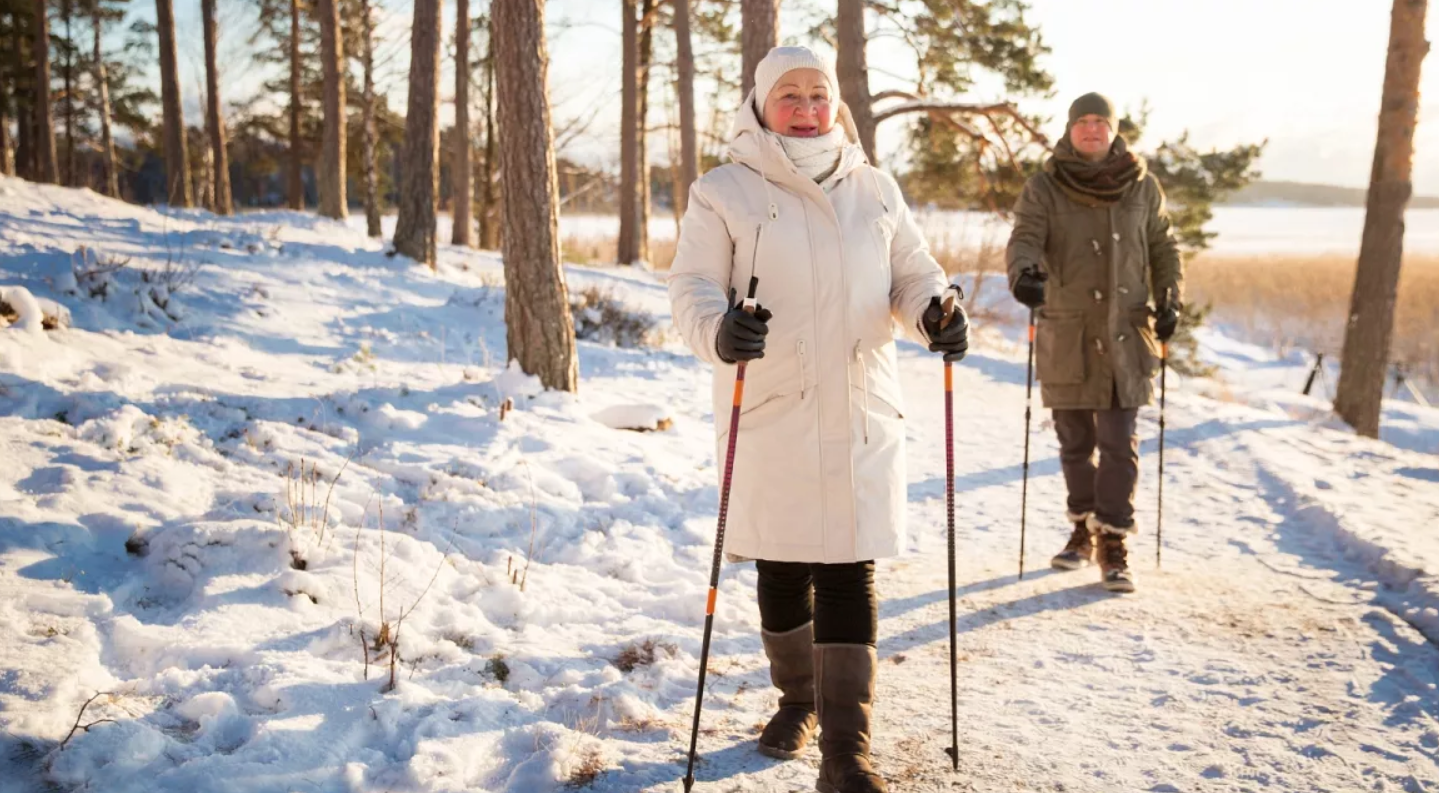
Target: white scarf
{"type": "Point", "coordinates": [816, 158]}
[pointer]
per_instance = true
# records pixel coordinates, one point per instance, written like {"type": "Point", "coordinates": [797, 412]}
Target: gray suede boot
{"type": "Point", "coordinates": [844, 682]}
{"type": "Point", "coordinates": [791, 669]}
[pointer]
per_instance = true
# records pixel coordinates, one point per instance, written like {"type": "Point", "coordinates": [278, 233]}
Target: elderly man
{"type": "Point", "coordinates": [1091, 247]}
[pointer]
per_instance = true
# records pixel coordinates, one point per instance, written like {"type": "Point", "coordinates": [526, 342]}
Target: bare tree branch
{"type": "Point", "coordinates": [81, 715]}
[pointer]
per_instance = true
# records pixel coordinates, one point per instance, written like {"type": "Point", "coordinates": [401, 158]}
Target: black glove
{"type": "Point", "coordinates": [952, 339]}
{"type": "Point", "coordinates": [1029, 287]}
{"type": "Point", "coordinates": [741, 334]}
{"type": "Point", "coordinates": [1166, 321]}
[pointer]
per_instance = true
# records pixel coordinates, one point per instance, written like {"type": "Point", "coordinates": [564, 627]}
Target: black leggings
{"type": "Point", "coordinates": [839, 598]}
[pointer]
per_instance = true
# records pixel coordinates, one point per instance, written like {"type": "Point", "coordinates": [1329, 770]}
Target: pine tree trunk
{"type": "Point", "coordinates": [177, 161]}
{"type": "Point", "coordinates": [489, 214]}
{"type": "Point", "coordinates": [419, 175]}
{"type": "Point", "coordinates": [689, 148]}
{"type": "Point", "coordinates": [853, 71]}
{"type": "Point", "coordinates": [463, 197]}
{"type": "Point", "coordinates": [627, 247]}
{"type": "Point", "coordinates": [20, 43]}
{"type": "Point", "coordinates": [537, 310]}
{"type": "Point", "coordinates": [677, 205]}
{"type": "Point", "coordinates": [44, 117]}
{"type": "Point", "coordinates": [367, 151]}
{"type": "Point", "coordinates": [333, 202]}
{"type": "Point", "coordinates": [69, 77]}
{"type": "Point", "coordinates": [107, 139]}
{"type": "Point", "coordinates": [1370, 331]}
{"type": "Point", "coordinates": [759, 33]}
{"type": "Point", "coordinates": [7, 165]}
{"type": "Point", "coordinates": [202, 180]}
{"type": "Point", "coordinates": [214, 121]}
{"type": "Point", "coordinates": [25, 157]}
{"type": "Point", "coordinates": [294, 181]}
{"type": "Point", "coordinates": [642, 132]}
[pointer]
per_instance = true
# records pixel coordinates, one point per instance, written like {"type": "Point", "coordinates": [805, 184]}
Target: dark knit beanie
{"type": "Point", "coordinates": [1093, 105]}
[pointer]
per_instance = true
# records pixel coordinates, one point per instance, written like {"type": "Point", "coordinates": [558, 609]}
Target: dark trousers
{"type": "Point", "coordinates": [840, 598]}
{"type": "Point", "coordinates": [1107, 490]}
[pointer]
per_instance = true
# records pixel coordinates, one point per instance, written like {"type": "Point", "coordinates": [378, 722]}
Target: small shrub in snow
{"type": "Point", "coordinates": [93, 275]}
{"type": "Point", "coordinates": [99, 277]}
{"type": "Point", "coordinates": [362, 361]}
{"type": "Point", "coordinates": [587, 769]}
{"type": "Point", "coordinates": [386, 644]}
{"type": "Point", "coordinates": [26, 312]}
{"type": "Point", "coordinates": [80, 717]}
{"type": "Point", "coordinates": [643, 654]}
{"type": "Point", "coordinates": [601, 317]}
{"type": "Point", "coordinates": [304, 515]}
{"type": "Point", "coordinates": [498, 669]}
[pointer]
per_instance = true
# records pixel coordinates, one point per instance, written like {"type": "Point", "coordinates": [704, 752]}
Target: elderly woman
{"type": "Point", "coordinates": [818, 490]}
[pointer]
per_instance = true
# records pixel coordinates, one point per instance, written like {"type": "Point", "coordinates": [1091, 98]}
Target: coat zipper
{"type": "Point", "coordinates": [864, 380]}
{"type": "Point", "coordinates": [800, 346]}
{"type": "Point", "coordinates": [754, 257]}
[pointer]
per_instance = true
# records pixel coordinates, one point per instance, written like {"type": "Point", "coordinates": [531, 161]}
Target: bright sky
{"type": "Point", "coordinates": [1306, 74]}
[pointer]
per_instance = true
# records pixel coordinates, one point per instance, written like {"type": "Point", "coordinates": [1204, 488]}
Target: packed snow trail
{"type": "Point", "coordinates": [1257, 658]}
{"type": "Point", "coordinates": [148, 458]}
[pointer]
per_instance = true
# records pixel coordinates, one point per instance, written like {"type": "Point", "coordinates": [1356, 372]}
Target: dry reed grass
{"type": "Point", "coordinates": [1293, 301]}
{"type": "Point", "coordinates": [592, 249]}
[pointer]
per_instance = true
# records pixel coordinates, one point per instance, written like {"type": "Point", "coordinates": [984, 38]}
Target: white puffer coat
{"type": "Point", "coordinates": [819, 472]}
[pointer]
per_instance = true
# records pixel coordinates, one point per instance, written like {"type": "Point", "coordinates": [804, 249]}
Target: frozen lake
{"type": "Point", "coordinates": [1242, 230]}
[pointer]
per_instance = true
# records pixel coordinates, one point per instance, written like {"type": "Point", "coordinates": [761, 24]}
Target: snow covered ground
{"type": "Point", "coordinates": [543, 576]}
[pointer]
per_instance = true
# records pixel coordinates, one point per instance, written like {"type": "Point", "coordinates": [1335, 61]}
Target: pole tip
{"type": "Point", "coordinates": [688, 782]}
{"type": "Point", "coordinates": [953, 752]}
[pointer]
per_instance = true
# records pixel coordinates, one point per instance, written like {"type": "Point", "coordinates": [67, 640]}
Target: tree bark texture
{"type": "Point", "coordinates": [627, 247]}
{"type": "Point", "coordinates": [111, 181]}
{"type": "Point", "coordinates": [1370, 330]}
{"type": "Point", "coordinates": [490, 220]}
{"type": "Point", "coordinates": [759, 33]}
{"type": "Point", "coordinates": [68, 69]}
{"type": "Point", "coordinates": [44, 115]}
{"type": "Point", "coordinates": [214, 120]}
{"type": "Point", "coordinates": [294, 182]}
{"type": "Point", "coordinates": [642, 154]}
{"type": "Point", "coordinates": [537, 312]}
{"type": "Point", "coordinates": [689, 146]}
{"type": "Point", "coordinates": [333, 201]}
{"type": "Point", "coordinates": [7, 165]}
{"type": "Point", "coordinates": [853, 71]}
{"type": "Point", "coordinates": [177, 161]}
{"type": "Point", "coordinates": [367, 146]}
{"type": "Point", "coordinates": [420, 174]}
{"type": "Point", "coordinates": [463, 197]}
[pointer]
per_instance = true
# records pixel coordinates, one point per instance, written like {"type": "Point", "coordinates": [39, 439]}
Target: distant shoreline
{"type": "Point", "coordinates": [1300, 195]}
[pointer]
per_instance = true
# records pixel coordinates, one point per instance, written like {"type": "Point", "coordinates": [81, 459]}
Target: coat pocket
{"type": "Point", "coordinates": [1060, 354]}
{"type": "Point", "coordinates": [1149, 348]}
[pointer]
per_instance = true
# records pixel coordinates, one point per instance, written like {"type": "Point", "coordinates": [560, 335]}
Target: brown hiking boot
{"type": "Point", "coordinates": [1079, 551]}
{"type": "Point", "coordinates": [791, 669]}
{"type": "Point", "coordinates": [1114, 558]}
{"type": "Point", "coordinates": [844, 683]}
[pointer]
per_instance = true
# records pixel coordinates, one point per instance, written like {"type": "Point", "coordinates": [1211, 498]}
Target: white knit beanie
{"type": "Point", "coordinates": [783, 59]}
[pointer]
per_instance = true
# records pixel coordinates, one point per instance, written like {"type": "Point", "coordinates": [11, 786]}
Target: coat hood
{"type": "Point", "coordinates": [752, 145]}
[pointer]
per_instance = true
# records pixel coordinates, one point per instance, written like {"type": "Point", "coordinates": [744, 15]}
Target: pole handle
{"type": "Point", "coordinates": [750, 304]}
{"type": "Point", "coordinates": [950, 305]}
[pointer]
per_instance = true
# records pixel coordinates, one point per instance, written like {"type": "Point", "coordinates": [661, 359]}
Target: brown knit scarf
{"type": "Point", "coordinates": [1096, 184]}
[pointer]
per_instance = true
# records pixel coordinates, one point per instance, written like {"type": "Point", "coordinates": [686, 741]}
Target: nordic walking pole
{"type": "Point", "coordinates": [1028, 399]}
{"type": "Point", "coordinates": [749, 306]}
{"type": "Point", "coordinates": [950, 300]}
{"type": "Point", "coordinates": [1163, 390]}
